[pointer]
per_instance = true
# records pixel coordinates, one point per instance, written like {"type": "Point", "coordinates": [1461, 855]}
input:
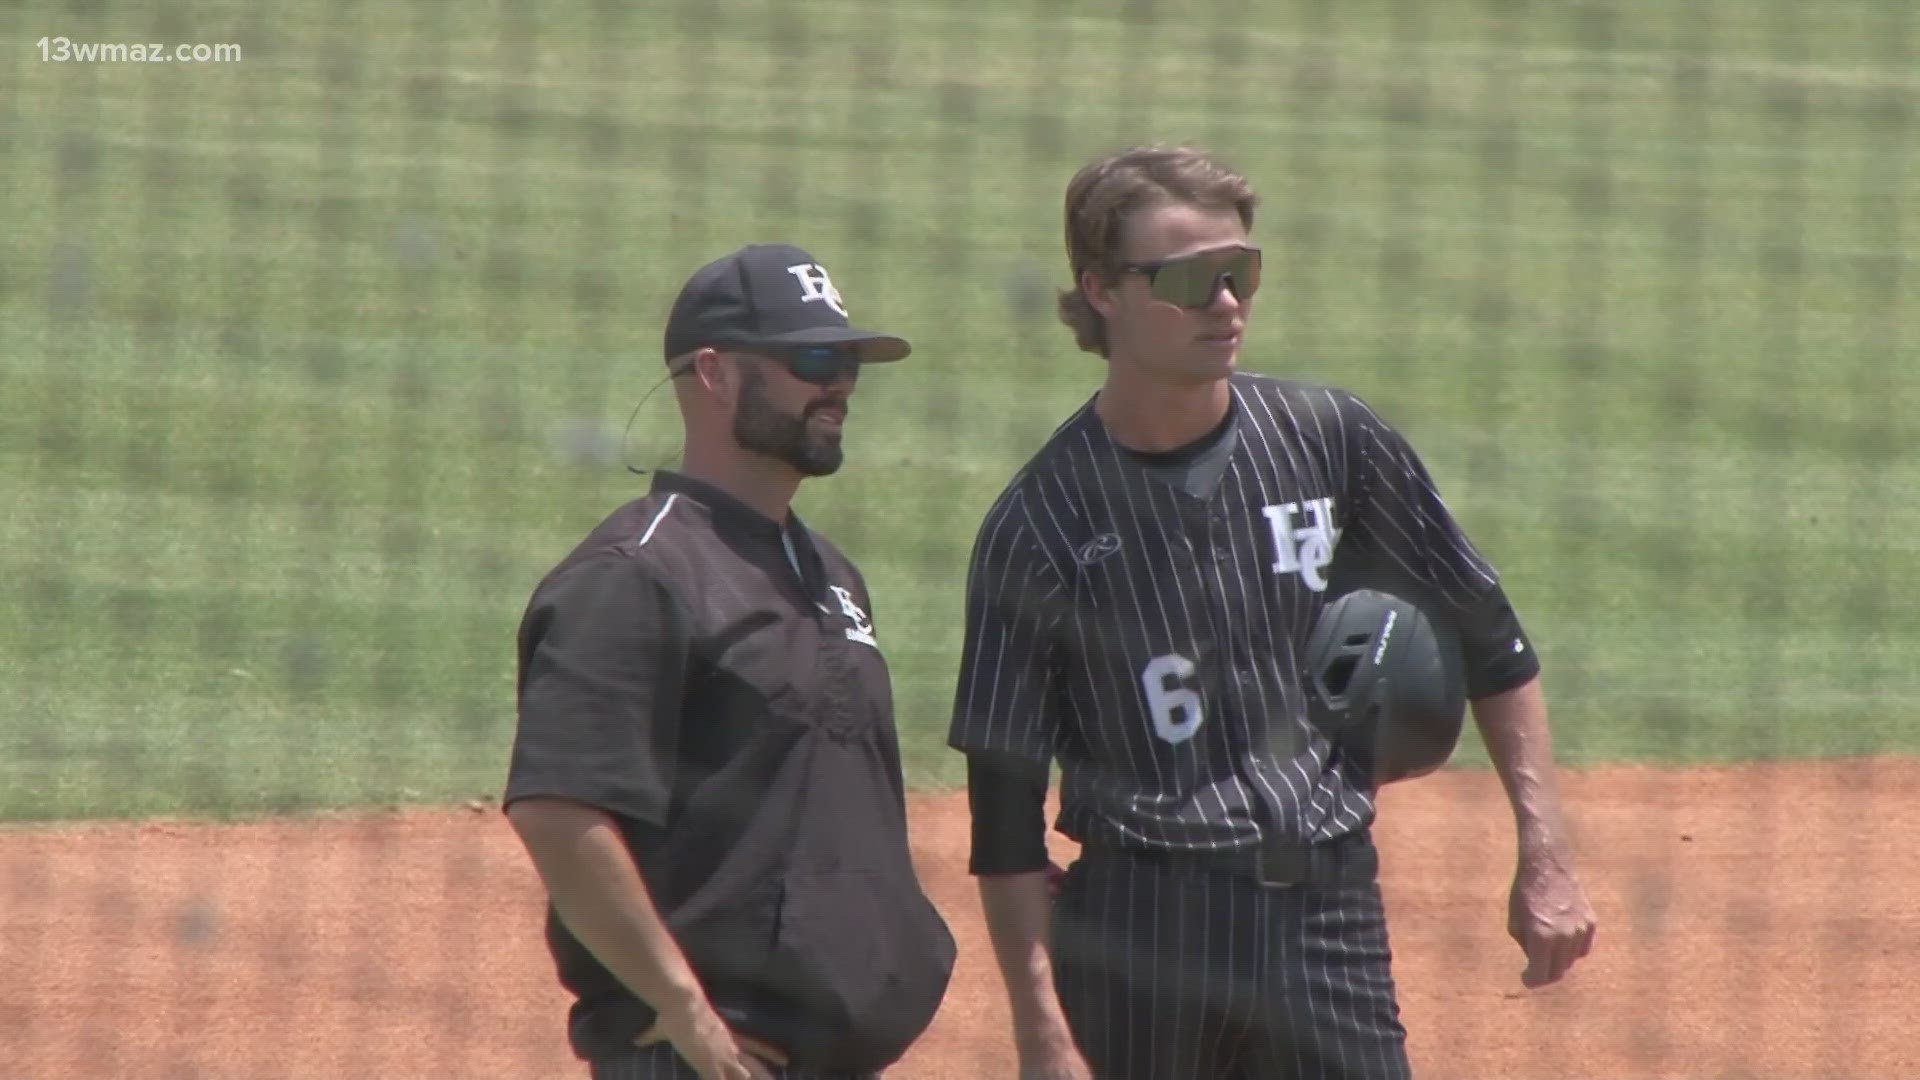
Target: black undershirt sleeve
{"type": "Point", "coordinates": [1008, 797]}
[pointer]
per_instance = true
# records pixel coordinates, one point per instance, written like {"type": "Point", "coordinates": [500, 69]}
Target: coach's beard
{"type": "Point", "coordinates": [761, 427]}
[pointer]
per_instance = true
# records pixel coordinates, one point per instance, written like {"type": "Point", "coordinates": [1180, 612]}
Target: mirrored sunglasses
{"type": "Point", "coordinates": [1192, 281]}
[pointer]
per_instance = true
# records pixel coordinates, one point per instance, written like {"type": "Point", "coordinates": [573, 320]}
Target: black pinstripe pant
{"type": "Point", "coordinates": [1178, 973]}
{"type": "Point", "coordinates": [662, 1063]}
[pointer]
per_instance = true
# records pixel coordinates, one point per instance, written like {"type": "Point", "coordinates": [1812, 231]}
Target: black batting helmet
{"type": "Point", "coordinates": [1385, 685]}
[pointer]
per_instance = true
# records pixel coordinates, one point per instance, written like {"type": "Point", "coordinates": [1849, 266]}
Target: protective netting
{"type": "Point", "coordinates": [321, 324]}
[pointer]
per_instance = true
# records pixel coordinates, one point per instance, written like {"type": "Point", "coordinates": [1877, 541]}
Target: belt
{"type": "Point", "coordinates": [1344, 861]}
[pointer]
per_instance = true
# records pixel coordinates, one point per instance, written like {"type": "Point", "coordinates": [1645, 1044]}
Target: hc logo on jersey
{"type": "Point", "coordinates": [1303, 539]}
{"type": "Point", "coordinates": [816, 285]}
{"type": "Point", "coordinates": [861, 630]}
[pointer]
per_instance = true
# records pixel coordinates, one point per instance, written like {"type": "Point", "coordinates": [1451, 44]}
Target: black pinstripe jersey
{"type": "Point", "coordinates": [1147, 639]}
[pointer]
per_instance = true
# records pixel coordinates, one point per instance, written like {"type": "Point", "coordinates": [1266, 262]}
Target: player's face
{"type": "Point", "coordinates": [793, 420]}
{"type": "Point", "coordinates": [1182, 306]}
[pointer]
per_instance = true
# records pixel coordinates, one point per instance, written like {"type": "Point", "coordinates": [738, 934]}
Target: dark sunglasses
{"type": "Point", "coordinates": [1192, 281]}
{"type": "Point", "coordinates": [821, 365]}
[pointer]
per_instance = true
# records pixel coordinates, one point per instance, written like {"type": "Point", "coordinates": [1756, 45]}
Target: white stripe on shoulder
{"type": "Point", "coordinates": [657, 519]}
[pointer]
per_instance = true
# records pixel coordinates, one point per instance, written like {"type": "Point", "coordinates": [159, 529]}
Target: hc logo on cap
{"type": "Point", "coordinates": [816, 285]}
{"type": "Point", "coordinates": [747, 301]}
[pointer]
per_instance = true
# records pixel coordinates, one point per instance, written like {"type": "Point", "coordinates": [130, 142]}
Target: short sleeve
{"type": "Point", "coordinates": [604, 650]}
{"type": "Point", "coordinates": [1401, 521]}
{"type": "Point", "coordinates": [1004, 699]}
{"type": "Point", "coordinates": [1495, 648]}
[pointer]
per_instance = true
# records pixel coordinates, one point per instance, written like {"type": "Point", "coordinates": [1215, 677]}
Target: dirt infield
{"type": "Point", "coordinates": [1755, 922]}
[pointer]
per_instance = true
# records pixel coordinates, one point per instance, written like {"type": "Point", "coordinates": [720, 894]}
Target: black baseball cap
{"type": "Point", "coordinates": [769, 296]}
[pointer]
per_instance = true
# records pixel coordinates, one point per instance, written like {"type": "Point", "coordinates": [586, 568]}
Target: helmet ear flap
{"type": "Point", "coordinates": [1333, 657]}
{"type": "Point", "coordinates": [1339, 662]}
{"type": "Point", "coordinates": [1337, 677]}
{"type": "Point", "coordinates": [1356, 643]}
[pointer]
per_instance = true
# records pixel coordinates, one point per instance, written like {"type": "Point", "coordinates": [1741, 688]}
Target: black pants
{"type": "Point", "coordinates": [1174, 972]}
{"type": "Point", "coordinates": [662, 1063]}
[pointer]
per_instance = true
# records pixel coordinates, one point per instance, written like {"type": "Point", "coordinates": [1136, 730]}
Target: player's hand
{"type": "Point", "coordinates": [715, 1052]}
{"type": "Point", "coordinates": [1549, 916]}
{"type": "Point", "coordinates": [1056, 879]}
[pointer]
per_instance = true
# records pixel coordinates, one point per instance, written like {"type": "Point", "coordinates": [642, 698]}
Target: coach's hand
{"type": "Point", "coordinates": [1549, 916]}
{"type": "Point", "coordinates": [715, 1052]}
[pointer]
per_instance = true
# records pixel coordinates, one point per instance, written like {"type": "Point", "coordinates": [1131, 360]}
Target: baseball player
{"type": "Point", "coordinates": [706, 772]}
{"type": "Point", "coordinates": [1136, 606]}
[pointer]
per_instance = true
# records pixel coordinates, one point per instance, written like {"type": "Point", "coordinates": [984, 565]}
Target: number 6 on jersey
{"type": "Point", "coordinates": [1177, 710]}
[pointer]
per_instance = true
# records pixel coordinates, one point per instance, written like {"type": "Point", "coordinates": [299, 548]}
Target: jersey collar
{"type": "Point", "coordinates": [730, 515]}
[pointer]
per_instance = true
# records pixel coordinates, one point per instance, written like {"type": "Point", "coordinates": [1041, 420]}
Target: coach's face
{"type": "Point", "coordinates": [1180, 343]}
{"type": "Point", "coordinates": [794, 421]}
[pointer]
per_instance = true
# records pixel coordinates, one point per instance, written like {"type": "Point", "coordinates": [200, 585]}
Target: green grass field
{"type": "Point", "coordinates": [312, 363]}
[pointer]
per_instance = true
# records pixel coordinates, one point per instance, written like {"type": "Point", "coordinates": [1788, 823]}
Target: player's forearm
{"type": "Point", "coordinates": [1018, 909]}
{"type": "Point", "coordinates": [600, 896]}
{"type": "Point", "coordinates": [1520, 743]}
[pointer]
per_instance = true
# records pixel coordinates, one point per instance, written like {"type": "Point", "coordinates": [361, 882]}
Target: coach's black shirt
{"type": "Point", "coordinates": [713, 680]}
{"type": "Point", "coordinates": [1146, 636]}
